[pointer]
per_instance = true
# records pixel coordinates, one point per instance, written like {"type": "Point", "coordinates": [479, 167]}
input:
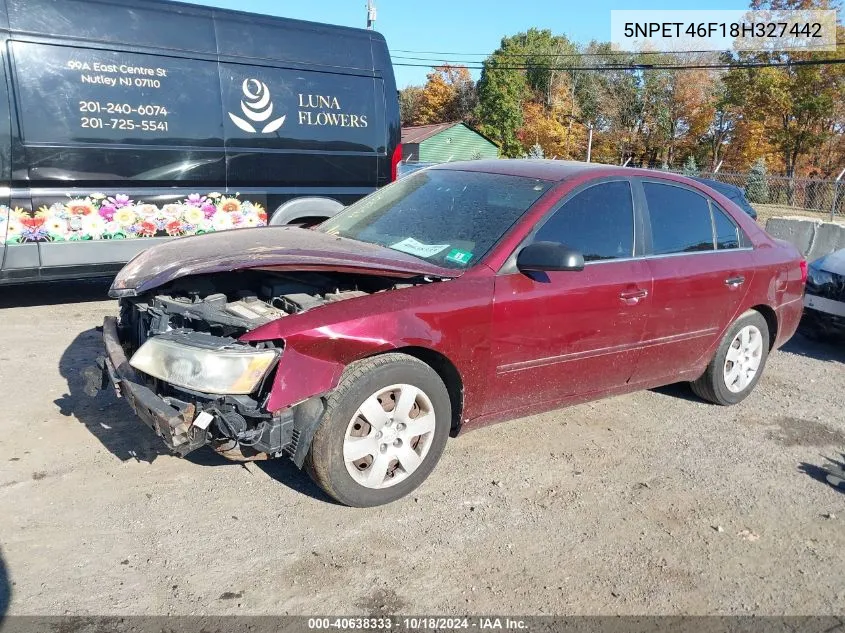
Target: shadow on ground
{"type": "Point", "coordinates": [5, 588]}
{"type": "Point", "coordinates": [826, 350]}
{"type": "Point", "coordinates": [54, 293]}
{"type": "Point", "coordinates": [115, 425]}
{"type": "Point", "coordinates": [832, 473]}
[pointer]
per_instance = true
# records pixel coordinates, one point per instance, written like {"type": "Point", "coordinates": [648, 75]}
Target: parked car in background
{"type": "Point", "coordinates": [732, 193]}
{"type": "Point", "coordinates": [124, 123]}
{"type": "Point", "coordinates": [460, 295]}
{"type": "Point", "coordinates": [824, 301]}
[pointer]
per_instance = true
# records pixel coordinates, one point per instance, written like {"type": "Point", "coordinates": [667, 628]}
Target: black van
{"type": "Point", "coordinates": [128, 122]}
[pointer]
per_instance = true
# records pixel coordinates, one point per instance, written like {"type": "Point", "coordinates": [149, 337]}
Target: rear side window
{"type": "Point", "coordinates": [680, 219]}
{"type": "Point", "coordinates": [598, 222]}
{"type": "Point", "coordinates": [728, 234]}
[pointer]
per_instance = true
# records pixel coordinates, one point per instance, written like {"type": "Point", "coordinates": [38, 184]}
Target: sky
{"type": "Point", "coordinates": [459, 26]}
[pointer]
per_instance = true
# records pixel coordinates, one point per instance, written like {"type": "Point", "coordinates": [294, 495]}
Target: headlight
{"type": "Point", "coordinates": [211, 366]}
{"type": "Point", "coordinates": [819, 277]}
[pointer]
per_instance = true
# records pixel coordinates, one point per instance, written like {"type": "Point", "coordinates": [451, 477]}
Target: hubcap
{"type": "Point", "coordinates": [389, 436]}
{"type": "Point", "coordinates": [743, 359]}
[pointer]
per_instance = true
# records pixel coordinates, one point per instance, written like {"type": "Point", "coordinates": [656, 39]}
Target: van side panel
{"type": "Point", "coordinates": [134, 121]}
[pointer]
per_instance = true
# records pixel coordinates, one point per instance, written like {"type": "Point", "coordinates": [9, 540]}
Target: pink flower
{"type": "Point", "coordinates": [120, 200]}
{"type": "Point", "coordinates": [209, 210]}
{"type": "Point", "coordinates": [107, 212]}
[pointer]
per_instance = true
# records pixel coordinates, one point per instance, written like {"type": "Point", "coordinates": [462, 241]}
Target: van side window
{"type": "Point", "coordinates": [680, 219]}
{"type": "Point", "coordinates": [598, 222]}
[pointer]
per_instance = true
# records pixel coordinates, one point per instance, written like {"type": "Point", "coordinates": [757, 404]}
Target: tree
{"type": "Point", "coordinates": [536, 151]}
{"type": "Point", "coordinates": [690, 167]}
{"type": "Point", "coordinates": [793, 103]}
{"type": "Point", "coordinates": [410, 100]}
{"type": "Point", "coordinates": [448, 95]}
{"type": "Point", "coordinates": [501, 91]}
{"type": "Point", "coordinates": [757, 185]}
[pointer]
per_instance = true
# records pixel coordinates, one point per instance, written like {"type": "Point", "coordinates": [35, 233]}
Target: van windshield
{"type": "Point", "coordinates": [447, 217]}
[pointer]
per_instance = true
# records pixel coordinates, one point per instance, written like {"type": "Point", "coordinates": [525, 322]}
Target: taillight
{"type": "Point", "coordinates": [394, 161]}
{"type": "Point", "coordinates": [803, 271]}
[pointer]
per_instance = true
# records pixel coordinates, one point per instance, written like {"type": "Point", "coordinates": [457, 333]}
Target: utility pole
{"type": "Point", "coordinates": [371, 14]}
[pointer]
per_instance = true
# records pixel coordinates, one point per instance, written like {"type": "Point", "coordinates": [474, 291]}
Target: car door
{"type": "Point", "coordinates": [559, 334]}
{"type": "Point", "coordinates": [701, 271]}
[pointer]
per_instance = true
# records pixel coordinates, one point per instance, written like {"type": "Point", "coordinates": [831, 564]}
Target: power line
{"type": "Point", "coordinates": [583, 54]}
{"type": "Point", "coordinates": [725, 66]}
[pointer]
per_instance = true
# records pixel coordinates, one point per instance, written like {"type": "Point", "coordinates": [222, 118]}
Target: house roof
{"type": "Point", "coordinates": [419, 133]}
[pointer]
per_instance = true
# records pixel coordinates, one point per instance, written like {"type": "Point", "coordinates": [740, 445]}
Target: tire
{"type": "Point", "coordinates": [354, 426]}
{"type": "Point", "coordinates": [725, 384]}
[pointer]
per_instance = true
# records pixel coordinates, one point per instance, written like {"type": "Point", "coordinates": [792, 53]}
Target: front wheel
{"type": "Point", "coordinates": [383, 431]}
{"type": "Point", "coordinates": [738, 363]}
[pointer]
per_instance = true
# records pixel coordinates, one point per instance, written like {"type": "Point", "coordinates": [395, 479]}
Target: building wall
{"type": "Point", "coordinates": [456, 143]}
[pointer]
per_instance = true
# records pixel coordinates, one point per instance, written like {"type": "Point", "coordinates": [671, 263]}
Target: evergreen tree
{"type": "Point", "coordinates": [535, 151]}
{"type": "Point", "coordinates": [757, 185]}
{"type": "Point", "coordinates": [690, 167]}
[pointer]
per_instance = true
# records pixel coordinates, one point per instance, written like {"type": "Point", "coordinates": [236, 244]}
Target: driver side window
{"type": "Point", "coordinates": [598, 222]}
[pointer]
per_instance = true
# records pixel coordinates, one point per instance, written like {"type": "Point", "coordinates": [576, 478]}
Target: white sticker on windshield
{"type": "Point", "coordinates": [413, 247]}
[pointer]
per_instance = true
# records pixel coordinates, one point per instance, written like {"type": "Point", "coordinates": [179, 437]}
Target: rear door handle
{"type": "Point", "coordinates": [735, 282]}
{"type": "Point", "coordinates": [632, 297]}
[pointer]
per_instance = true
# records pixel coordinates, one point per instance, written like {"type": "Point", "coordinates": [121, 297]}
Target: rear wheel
{"type": "Point", "coordinates": [383, 431]}
{"type": "Point", "coordinates": [738, 363]}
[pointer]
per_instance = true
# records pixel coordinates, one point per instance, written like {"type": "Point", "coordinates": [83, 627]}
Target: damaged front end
{"type": "Point", "coordinates": [176, 356]}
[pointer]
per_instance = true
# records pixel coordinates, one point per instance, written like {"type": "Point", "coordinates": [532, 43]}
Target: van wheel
{"type": "Point", "coordinates": [738, 363]}
{"type": "Point", "coordinates": [383, 431]}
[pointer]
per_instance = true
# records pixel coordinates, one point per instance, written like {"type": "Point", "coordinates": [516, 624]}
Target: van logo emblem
{"type": "Point", "coordinates": [257, 107]}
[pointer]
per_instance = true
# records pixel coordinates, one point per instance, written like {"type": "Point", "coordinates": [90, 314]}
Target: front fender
{"type": "Point", "coordinates": [450, 317]}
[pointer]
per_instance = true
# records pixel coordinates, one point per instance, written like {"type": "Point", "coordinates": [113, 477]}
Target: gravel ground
{"type": "Point", "coordinates": [651, 503]}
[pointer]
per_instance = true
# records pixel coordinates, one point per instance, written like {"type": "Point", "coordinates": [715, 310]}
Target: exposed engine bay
{"type": "Point", "coordinates": [231, 304]}
{"type": "Point", "coordinates": [210, 312]}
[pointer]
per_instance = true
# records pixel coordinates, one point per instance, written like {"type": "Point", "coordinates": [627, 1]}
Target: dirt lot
{"type": "Point", "coordinates": [648, 503]}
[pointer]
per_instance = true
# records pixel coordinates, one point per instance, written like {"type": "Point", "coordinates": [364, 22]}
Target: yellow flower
{"type": "Point", "coordinates": [125, 217]}
{"type": "Point", "coordinates": [194, 215]}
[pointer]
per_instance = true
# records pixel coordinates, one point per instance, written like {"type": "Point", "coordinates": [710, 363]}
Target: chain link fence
{"type": "Point", "coordinates": [779, 195]}
{"type": "Point", "coordinates": [769, 195]}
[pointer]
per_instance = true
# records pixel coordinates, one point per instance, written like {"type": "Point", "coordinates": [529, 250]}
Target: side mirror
{"type": "Point", "coordinates": [548, 256]}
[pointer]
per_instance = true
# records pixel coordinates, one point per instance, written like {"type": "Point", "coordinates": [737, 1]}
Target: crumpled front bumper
{"type": "Point", "coordinates": [171, 419]}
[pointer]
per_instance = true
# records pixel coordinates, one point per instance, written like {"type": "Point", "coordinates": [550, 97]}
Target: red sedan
{"type": "Point", "coordinates": [462, 295]}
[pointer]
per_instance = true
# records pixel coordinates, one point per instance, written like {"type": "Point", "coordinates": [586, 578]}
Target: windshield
{"type": "Point", "coordinates": [447, 217]}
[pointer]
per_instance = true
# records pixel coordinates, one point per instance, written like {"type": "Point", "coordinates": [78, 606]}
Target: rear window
{"type": "Point", "coordinates": [728, 234]}
{"type": "Point", "coordinates": [680, 219]}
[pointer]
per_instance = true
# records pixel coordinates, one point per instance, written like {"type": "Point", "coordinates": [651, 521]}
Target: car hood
{"type": "Point", "coordinates": [832, 263]}
{"type": "Point", "coordinates": [274, 247]}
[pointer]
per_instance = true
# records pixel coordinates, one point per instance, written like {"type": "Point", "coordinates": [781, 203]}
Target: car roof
{"type": "Point", "coordinates": [718, 184]}
{"type": "Point", "coordinates": [554, 170]}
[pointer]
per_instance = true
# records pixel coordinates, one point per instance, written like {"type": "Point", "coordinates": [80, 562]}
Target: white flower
{"type": "Point", "coordinates": [94, 225]}
{"type": "Point", "coordinates": [113, 227]}
{"type": "Point", "coordinates": [222, 221]}
{"type": "Point", "coordinates": [57, 226]}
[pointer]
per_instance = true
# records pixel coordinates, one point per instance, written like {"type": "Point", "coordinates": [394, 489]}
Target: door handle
{"type": "Point", "coordinates": [735, 282]}
{"type": "Point", "coordinates": [632, 297]}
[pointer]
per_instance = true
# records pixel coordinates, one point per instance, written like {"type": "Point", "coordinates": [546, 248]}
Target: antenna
{"type": "Point", "coordinates": [371, 14]}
